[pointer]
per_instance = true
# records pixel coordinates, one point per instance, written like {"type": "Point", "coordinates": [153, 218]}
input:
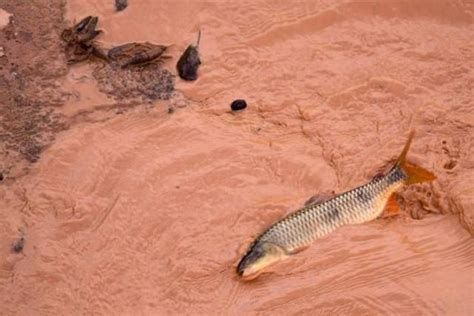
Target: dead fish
{"type": "Point", "coordinates": [189, 62]}
{"type": "Point", "coordinates": [299, 229]}
{"type": "Point", "coordinates": [85, 30]}
{"type": "Point", "coordinates": [87, 23]}
{"type": "Point", "coordinates": [82, 32]}
{"type": "Point", "coordinates": [121, 4]}
{"type": "Point", "coordinates": [77, 52]}
{"type": "Point", "coordinates": [80, 44]}
{"type": "Point", "coordinates": [137, 53]}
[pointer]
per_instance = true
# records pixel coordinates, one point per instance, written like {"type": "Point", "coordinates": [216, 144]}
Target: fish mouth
{"type": "Point", "coordinates": [260, 256]}
{"type": "Point", "coordinates": [249, 258]}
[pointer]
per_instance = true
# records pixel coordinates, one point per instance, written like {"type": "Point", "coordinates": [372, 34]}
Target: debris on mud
{"type": "Point", "coordinates": [137, 54]}
{"type": "Point", "coordinates": [80, 40]}
{"type": "Point", "coordinates": [121, 4]}
{"type": "Point", "coordinates": [118, 78]}
{"type": "Point", "coordinates": [189, 62]}
{"type": "Point", "coordinates": [4, 18]}
{"type": "Point", "coordinates": [148, 83]}
{"type": "Point", "coordinates": [18, 245]}
{"type": "Point", "coordinates": [238, 105]}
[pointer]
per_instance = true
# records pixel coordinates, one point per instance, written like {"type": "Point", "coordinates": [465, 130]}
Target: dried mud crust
{"type": "Point", "coordinates": [26, 127]}
{"type": "Point", "coordinates": [140, 83]}
{"type": "Point", "coordinates": [29, 71]}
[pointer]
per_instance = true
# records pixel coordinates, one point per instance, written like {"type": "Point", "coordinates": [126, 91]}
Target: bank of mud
{"type": "Point", "coordinates": [128, 206]}
{"type": "Point", "coordinates": [30, 66]}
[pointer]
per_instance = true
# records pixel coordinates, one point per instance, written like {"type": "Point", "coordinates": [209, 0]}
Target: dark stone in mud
{"type": "Point", "coordinates": [189, 62]}
{"type": "Point", "coordinates": [238, 105]}
{"type": "Point", "coordinates": [121, 4]}
{"type": "Point", "coordinates": [18, 245]}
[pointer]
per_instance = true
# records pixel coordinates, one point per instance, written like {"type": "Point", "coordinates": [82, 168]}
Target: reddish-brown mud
{"type": "Point", "coordinates": [139, 209]}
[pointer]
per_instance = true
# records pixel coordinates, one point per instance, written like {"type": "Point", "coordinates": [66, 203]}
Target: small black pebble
{"type": "Point", "coordinates": [238, 105]}
{"type": "Point", "coordinates": [18, 245]}
{"type": "Point", "coordinates": [121, 4]}
{"type": "Point", "coordinates": [1, 176]}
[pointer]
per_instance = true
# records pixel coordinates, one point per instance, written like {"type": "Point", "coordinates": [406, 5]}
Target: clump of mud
{"type": "Point", "coordinates": [141, 83]}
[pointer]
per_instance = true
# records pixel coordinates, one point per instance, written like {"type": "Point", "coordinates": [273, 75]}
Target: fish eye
{"type": "Point", "coordinates": [256, 253]}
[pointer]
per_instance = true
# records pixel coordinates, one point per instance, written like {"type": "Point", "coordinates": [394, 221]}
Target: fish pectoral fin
{"type": "Point", "coordinates": [319, 198]}
{"type": "Point", "coordinates": [392, 208]}
{"type": "Point", "coordinates": [297, 250]}
{"type": "Point", "coordinates": [276, 250]}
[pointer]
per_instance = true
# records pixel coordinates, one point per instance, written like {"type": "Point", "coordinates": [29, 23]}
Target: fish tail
{"type": "Point", "coordinates": [415, 174]}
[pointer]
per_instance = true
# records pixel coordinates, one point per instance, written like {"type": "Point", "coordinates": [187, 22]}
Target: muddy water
{"type": "Point", "coordinates": [146, 212]}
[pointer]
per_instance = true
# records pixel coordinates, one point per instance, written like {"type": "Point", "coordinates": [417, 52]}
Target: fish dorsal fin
{"type": "Point", "coordinates": [414, 173]}
{"type": "Point", "coordinates": [319, 198]}
{"type": "Point", "coordinates": [384, 169]}
{"type": "Point", "coordinates": [402, 158]}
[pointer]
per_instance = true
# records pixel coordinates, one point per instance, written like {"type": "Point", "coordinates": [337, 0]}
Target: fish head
{"type": "Point", "coordinates": [87, 23]}
{"type": "Point", "coordinates": [260, 256]}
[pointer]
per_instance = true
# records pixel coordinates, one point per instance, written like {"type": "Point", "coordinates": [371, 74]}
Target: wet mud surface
{"type": "Point", "coordinates": [111, 205]}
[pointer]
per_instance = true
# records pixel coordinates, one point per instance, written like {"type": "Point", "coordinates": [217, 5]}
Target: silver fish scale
{"type": "Point", "coordinates": [315, 221]}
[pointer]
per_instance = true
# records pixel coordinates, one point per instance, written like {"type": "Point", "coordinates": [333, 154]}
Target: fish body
{"type": "Point", "coordinates": [301, 228]}
{"type": "Point", "coordinates": [137, 53]}
{"type": "Point", "coordinates": [146, 56]}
